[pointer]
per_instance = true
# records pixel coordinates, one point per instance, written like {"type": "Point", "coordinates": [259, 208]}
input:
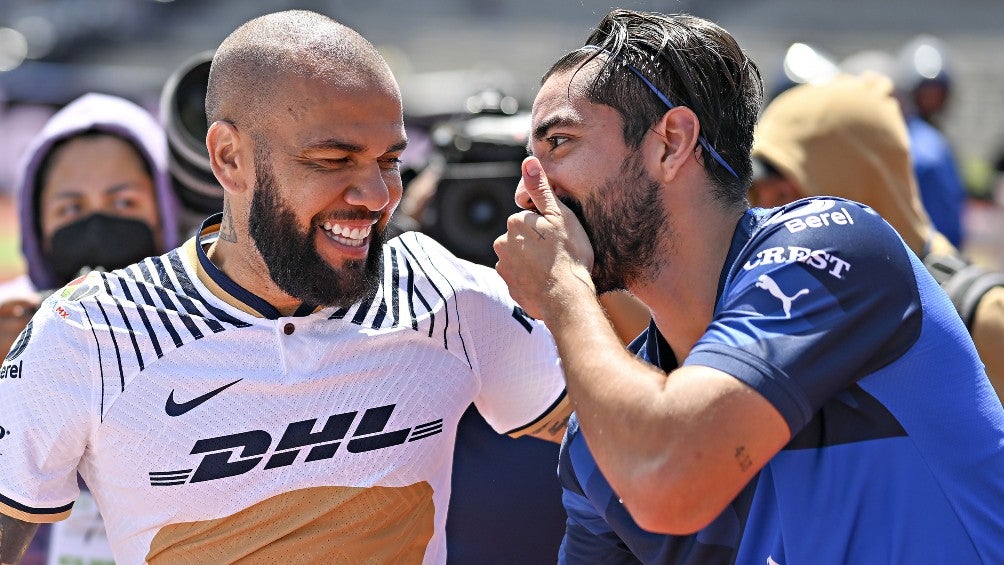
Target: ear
{"type": "Point", "coordinates": [676, 137]}
{"type": "Point", "coordinates": [229, 156]}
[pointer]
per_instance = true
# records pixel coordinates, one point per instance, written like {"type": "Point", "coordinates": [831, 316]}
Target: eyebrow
{"type": "Point", "coordinates": [76, 193]}
{"type": "Point", "coordinates": [542, 128]}
{"type": "Point", "coordinates": [349, 147]}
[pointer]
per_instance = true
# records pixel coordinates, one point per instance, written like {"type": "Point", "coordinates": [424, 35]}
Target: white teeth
{"type": "Point", "coordinates": [347, 235]}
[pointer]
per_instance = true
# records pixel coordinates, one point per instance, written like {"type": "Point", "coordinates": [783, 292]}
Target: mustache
{"type": "Point", "coordinates": [371, 215]}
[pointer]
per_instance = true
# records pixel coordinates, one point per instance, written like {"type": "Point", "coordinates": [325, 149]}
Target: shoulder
{"type": "Point", "coordinates": [427, 258]}
{"type": "Point", "coordinates": [846, 240]}
{"type": "Point", "coordinates": [830, 248]}
{"type": "Point", "coordinates": [832, 221]}
{"type": "Point", "coordinates": [159, 282]}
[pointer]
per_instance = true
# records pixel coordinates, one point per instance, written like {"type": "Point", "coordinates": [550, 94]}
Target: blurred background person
{"type": "Point", "coordinates": [923, 76]}
{"type": "Point", "coordinates": [924, 85]}
{"type": "Point", "coordinates": [917, 72]}
{"type": "Point", "coordinates": [847, 138]}
{"type": "Point", "coordinates": [92, 193]}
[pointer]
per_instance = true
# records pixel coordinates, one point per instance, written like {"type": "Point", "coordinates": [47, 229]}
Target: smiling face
{"type": "Point", "coordinates": [592, 170]}
{"type": "Point", "coordinates": [327, 181]}
{"type": "Point", "coordinates": [95, 174]}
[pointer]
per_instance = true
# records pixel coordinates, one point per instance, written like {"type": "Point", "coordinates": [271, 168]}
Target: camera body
{"type": "Point", "coordinates": [475, 195]}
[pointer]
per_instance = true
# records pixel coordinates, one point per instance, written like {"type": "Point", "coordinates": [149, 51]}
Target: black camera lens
{"type": "Point", "coordinates": [183, 111]}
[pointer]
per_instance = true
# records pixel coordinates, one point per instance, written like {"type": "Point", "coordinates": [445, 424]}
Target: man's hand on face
{"type": "Point", "coordinates": [545, 256]}
{"type": "Point", "coordinates": [14, 316]}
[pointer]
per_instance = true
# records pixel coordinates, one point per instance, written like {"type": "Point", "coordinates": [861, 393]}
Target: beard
{"type": "Point", "coordinates": [631, 218]}
{"type": "Point", "coordinates": [291, 255]}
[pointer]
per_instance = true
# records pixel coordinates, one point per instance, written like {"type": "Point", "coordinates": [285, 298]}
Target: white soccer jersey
{"type": "Point", "coordinates": [210, 434]}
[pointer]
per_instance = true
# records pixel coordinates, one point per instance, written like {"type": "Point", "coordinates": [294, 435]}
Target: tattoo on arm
{"type": "Point", "coordinates": [15, 536]}
{"type": "Point", "coordinates": [552, 430]}
{"type": "Point", "coordinates": [227, 231]}
{"type": "Point", "coordinates": [743, 458]}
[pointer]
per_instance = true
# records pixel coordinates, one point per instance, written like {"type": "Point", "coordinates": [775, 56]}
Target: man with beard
{"type": "Point", "coordinates": [805, 392]}
{"type": "Point", "coordinates": [286, 386]}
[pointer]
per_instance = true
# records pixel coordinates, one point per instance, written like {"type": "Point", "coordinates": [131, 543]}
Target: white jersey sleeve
{"type": "Point", "coordinates": [513, 355]}
{"type": "Point", "coordinates": [47, 411]}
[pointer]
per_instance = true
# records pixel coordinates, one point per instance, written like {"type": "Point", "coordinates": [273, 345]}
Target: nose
{"type": "Point", "coordinates": [370, 190]}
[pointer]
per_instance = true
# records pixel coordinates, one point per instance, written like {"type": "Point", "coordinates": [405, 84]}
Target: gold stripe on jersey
{"type": "Point", "coordinates": [192, 256]}
{"type": "Point", "coordinates": [313, 525]}
{"type": "Point", "coordinates": [32, 518]}
{"type": "Point", "coordinates": [555, 417]}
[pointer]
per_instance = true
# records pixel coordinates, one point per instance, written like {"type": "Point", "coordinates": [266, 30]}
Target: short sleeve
{"type": "Point", "coordinates": [45, 413]}
{"type": "Point", "coordinates": [514, 356]}
{"type": "Point", "coordinates": [823, 294]}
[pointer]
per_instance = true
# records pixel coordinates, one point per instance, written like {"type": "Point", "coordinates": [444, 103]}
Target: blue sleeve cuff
{"type": "Point", "coordinates": [770, 381]}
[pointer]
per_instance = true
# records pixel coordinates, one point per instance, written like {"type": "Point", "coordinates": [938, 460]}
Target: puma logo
{"type": "Point", "coordinates": [768, 284]}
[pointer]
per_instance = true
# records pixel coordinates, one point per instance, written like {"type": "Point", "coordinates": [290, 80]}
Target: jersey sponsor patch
{"type": "Point", "coordinates": [816, 214]}
{"type": "Point", "coordinates": [816, 258]}
{"type": "Point", "coordinates": [12, 370]}
{"type": "Point", "coordinates": [236, 454]}
{"type": "Point", "coordinates": [78, 292]}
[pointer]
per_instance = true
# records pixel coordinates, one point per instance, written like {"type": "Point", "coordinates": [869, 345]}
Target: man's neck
{"type": "Point", "coordinates": [246, 268]}
{"type": "Point", "coordinates": [682, 293]}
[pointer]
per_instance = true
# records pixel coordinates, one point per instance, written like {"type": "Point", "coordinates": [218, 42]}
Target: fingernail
{"type": "Point", "coordinates": [533, 168]}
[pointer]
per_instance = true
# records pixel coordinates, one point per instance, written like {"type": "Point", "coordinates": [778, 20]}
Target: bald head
{"type": "Point", "coordinates": [249, 67]}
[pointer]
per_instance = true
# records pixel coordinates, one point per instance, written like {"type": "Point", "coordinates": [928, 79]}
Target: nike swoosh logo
{"type": "Point", "coordinates": [175, 409]}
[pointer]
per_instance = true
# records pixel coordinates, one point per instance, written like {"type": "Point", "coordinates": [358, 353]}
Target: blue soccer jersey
{"type": "Point", "coordinates": [897, 449]}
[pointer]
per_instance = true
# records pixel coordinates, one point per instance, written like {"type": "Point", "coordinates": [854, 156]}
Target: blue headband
{"type": "Point", "coordinates": [665, 100]}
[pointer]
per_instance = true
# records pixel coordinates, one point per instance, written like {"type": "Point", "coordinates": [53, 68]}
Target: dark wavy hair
{"type": "Point", "coordinates": [695, 63]}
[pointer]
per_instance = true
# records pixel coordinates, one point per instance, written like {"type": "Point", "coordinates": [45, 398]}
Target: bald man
{"type": "Point", "coordinates": [285, 386]}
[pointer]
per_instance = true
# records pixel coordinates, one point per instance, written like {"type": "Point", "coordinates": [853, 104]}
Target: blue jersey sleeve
{"type": "Point", "coordinates": [821, 295]}
{"type": "Point", "coordinates": [590, 533]}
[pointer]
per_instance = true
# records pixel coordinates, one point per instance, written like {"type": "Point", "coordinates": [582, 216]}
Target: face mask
{"type": "Point", "coordinates": [99, 242]}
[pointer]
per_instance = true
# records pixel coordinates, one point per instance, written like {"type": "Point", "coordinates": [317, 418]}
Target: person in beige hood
{"type": "Point", "coordinates": [848, 138]}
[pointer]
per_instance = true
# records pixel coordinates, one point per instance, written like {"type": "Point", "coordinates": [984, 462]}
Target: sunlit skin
{"type": "Point", "coordinates": [102, 174]}
{"type": "Point", "coordinates": [579, 145]}
{"type": "Point", "coordinates": [334, 150]}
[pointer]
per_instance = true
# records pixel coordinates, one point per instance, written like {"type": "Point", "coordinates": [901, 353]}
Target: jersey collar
{"type": "Point", "coordinates": [226, 288]}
